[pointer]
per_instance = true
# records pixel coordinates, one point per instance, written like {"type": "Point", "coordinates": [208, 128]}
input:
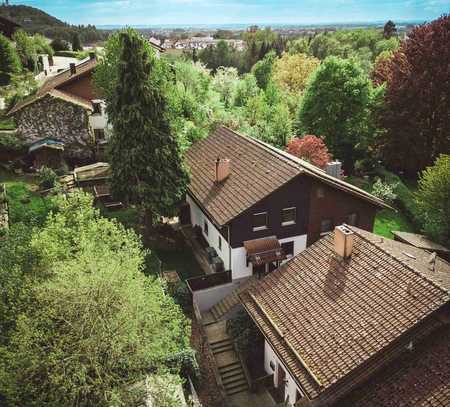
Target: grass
{"type": "Point", "coordinates": [179, 258]}
{"type": "Point", "coordinates": [7, 124]}
{"type": "Point", "coordinates": [388, 220]}
{"type": "Point", "coordinates": [25, 205]}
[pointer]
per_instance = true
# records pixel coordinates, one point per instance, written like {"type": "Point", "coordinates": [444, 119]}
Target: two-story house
{"type": "Point", "coordinates": [257, 205]}
{"type": "Point", "coordinates": [355, 320]}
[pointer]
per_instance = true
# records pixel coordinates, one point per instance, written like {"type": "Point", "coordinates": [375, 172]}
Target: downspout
{"type": "Point", "coordinates": [229, 251]}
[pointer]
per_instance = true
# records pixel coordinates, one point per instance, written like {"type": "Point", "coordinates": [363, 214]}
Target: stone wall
{"type": "Point", "coordinates": [56, 118]}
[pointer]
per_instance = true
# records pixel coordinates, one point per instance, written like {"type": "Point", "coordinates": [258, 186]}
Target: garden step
{"type": "Point", "coordinates": [230, 367]}
{"type": "Point", "coordinates": [220, 343]}
{"type": "Point", "coordinates": [231, 373]}
{"type": "Point", "coordinates": [228, 380]}
{"type": "Point", "coordinates": [237, 387]}
{"type": "Point", "coordinates": [224, 348]}
{"type": "Point", "coordinates": [238, 390]}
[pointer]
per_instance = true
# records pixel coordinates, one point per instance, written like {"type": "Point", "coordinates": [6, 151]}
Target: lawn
{"type": "Point", "coordinates": [388, 220]}
{"type": "Point", "coordinates": [179, 258]}
{"type": "Point", "coordinates": [7, 124]}
{"type": "Point", "coordinates": [25, 204]}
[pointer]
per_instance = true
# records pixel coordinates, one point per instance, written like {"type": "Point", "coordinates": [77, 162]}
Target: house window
{"type": "Point", "coordinates": [288, 249]}
{"type": "Point", "coordinates": [352, 219]}
{"type": "Point", "coordinates": [326, 225]}
{"type": "Point", "coordinates": [99, 134]}
{"type": "Point", "coordinates": [220, 243]}
{"type": "Point", "coordinates": [288, 216]}
{"type": "Point", "coordinates": [205, 227]}
{"type": "Point", "coordinates": [96, 108]}
{"type": "Point", "coordinates": [320, 192]}
{"type": "Point", "coordinates": [260, 221]}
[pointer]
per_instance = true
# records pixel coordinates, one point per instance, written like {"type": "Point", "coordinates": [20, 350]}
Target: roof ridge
{"type": "Point", "coordinates": [270, 149]}
{"type": "Point", "coordinates": [305, 167]}
{"type": "Point", "coordinates": [402, 262]}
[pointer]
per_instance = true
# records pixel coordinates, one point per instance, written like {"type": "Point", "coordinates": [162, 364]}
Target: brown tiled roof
{"type": "Point", "coordinates": [420, 241]}
{"type": "Point", "coordinates": [265, 250]}
{"type": "Point", "coordinates": [257, 170]}
{"type": "Point", "coordinates": [327, 318]}
{"type": "Point", "coordinates": [52, 84]}
{"type": "Point", "coordinates": [419, 378]}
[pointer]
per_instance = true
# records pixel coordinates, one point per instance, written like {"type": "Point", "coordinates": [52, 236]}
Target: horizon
{"type": "Point", "coordinates": [218, 13]}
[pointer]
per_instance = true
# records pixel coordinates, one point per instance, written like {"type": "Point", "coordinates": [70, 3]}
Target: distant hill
{"type": "Point", "coordinates": [34, 20]}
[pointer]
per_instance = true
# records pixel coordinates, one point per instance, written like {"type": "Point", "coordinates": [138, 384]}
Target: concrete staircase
{"type": "Point", "coordinates": [231, 371]}
{"type": "Point", "coordinates": [218, 311]}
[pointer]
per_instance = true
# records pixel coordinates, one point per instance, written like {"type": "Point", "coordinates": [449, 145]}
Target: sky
{"type": "Point", "coordinates": [196, 12]}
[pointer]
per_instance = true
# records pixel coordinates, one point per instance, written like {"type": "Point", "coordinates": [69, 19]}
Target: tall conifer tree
{"type": "Point", "coordinates": [147, 167]}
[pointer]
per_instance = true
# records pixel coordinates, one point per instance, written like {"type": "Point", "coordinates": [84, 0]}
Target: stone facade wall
{"type": "Point", "coordinates": [56, 118]}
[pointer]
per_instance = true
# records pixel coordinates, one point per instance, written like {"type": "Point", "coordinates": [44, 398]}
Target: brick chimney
{"type": "Point", "coordinates": [222, 169]}
{"type": "Point", "coordinates": [73, 68]}
{"type": "Point", "coordinates": [343, 241]}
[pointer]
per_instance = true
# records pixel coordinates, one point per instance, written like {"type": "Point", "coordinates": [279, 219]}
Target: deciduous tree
{"type": "Point", "coordinates": [433, 199]}
{"type": "Point", "coordinates": [417, 100]}
{"type": "Point", "coordinates": [292, 71]}
{"type": "Point", "coordinates": [311, 149]}
{"type": "Point", "coordinates": [389, 29]}
{"type": "Point", "coordinates": [336, 106]}
{"type": "Point", "coordinates": [98, 325]}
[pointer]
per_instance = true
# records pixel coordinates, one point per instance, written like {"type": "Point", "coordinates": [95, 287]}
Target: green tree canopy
{"type": "Point", "coordinates": [76, 42]}
{"type": "Point", "coordinates": [9, 60]}
{"type": "Point", "coordinates": [433, 198]}
{"type": "Point", "coordinates": [262, 70]}
{"type": "Point", "coordinates": [336, 106]}
{"type": "Point", "coordinates": [98, 326]}
{"type": "Point", "coordinates": [146, 162]}
{"type": "Point", "coordinates": [292, 71]}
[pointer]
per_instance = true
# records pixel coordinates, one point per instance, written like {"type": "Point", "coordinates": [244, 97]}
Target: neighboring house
{"type": "Point", "coordinates": [257, 205]}
{"type": "Point", "coordinates": [68, 108]}
{"type": "Point", "coordinates": [8, 27]}
{"type": "Point", "coordinates": [356, 320]}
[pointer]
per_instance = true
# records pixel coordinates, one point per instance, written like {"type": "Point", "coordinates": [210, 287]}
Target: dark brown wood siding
{"type": "Point", "coordinates": [293, 194]}
{"type": "Point", "coordinates": [336, 205]}
{"type": "Point", "coordinates": [302, 193]}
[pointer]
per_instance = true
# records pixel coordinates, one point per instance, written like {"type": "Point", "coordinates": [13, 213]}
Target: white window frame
{"type": "Point", "coordinates": [290, 222]}
{"type": "Point", "coordinates": [257, 228]}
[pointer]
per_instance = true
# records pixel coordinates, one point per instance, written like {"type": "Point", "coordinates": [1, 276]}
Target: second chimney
{"type": "Point", "coordinates": [222, 169]}
{"type": "Point", "coordinates": [73, 68]}
{"type": "Point", "coordinates": [343, 241]}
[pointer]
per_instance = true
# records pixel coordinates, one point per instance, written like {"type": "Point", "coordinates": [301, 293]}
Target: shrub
{"type": "Point", "coordinates": [405, 199]}
{"type": "Point", "coordinates": [47, 178]}
{"type": "Point", "coordinates": [384, 191]}
{"type": "Point", "coordinates": [433, 200]}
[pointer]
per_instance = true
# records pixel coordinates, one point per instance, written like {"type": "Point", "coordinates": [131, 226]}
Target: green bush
{"type": "Point", "coordinates": [10, 142]}
{"type": "Point", "coordinates": [47, 178]}
{"type": "Point", "coordinates": [384, 191]}
{"type": "Point", "coordinates": [405, 199]}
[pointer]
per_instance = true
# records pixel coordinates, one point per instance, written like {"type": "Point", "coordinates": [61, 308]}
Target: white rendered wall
{"type": "Point", "coordinates": [240, 268]}
{"type": "Point", "coordinates": [197, 219]}
{"type": "Point", "coordinates": [99, 121]}
{"type": "Point", "coordinates": [291, 387]}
